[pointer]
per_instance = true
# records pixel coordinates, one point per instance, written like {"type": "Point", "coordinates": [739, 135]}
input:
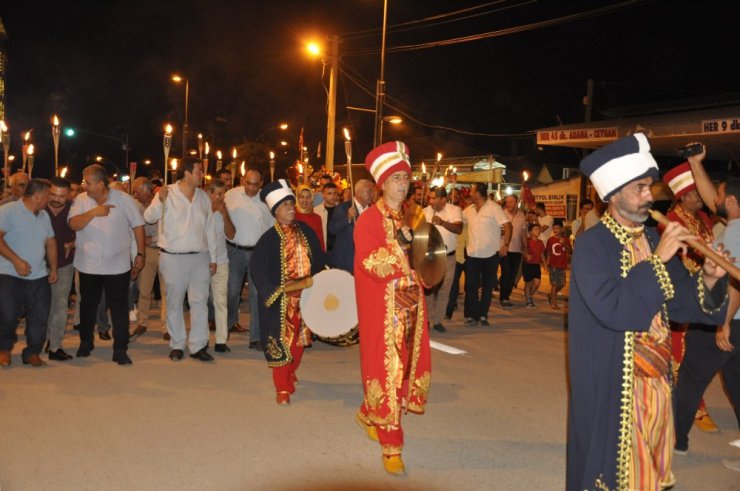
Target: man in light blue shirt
{"type": "Point", "coordinates": [26, 244]}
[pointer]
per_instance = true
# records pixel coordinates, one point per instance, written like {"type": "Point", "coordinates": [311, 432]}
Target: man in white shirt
{"type": "Point", "coordinates": [251, 219]}
{"type": "Point", "coordinates": [103, 219]}
{"type": "Point", "coordinates": [219, 282]}
{"type": "Point", "coordinates": [485, 219]}
{"type": "Point", "coordinates": [187, 245]}
{"type": "Point", "coordinates": [511, 262]}
{"type": "Point", "coordinates": [448, 220]}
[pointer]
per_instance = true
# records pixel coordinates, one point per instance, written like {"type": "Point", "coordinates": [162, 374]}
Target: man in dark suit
{"type": "Point", "coordinates": [342, 225]}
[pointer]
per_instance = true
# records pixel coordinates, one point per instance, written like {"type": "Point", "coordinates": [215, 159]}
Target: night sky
{"type": "Point", "coordinates": [105, 67]}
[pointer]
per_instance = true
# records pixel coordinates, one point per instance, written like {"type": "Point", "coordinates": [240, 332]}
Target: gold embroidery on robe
{"type": "Point", "coordinates": [380, 262]}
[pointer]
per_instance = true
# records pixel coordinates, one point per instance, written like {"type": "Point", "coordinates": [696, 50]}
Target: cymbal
{"type": "Point", "coordinates": [428, 252]}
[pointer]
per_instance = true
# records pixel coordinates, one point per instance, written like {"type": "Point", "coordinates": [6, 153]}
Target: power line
{"type": "Point", "coordinates": [432, 125]}
{"type": "Point", "coordinates": [506, 31]}
{"type": "Point", "coordinates": [435, 20]}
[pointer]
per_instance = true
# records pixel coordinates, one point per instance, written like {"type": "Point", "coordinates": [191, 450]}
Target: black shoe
{"type": "Point", "coordinates": [448, 316]}
{"type": "Point", "coordinates": [105, 336]}
{"type": "Point", "coordinates": [84, 350]}
{"type": "Point", "coordinates": [439, 328]}
{"type": "Point", "coordinates": [59, 355]}
{"type": "Point", "coordinates": [176, 354]}
{"type": "Point", "coordinates": [222, 348]}
{"type": "Point", "coordinates": [137, 332]}
{"type": "Point", "coordinates": [505, 304]}
{"type": "Point", "coordinates": [121, 357]}
{"type": "Point", "coordinates": [470, 322]}
{"type": "Point", "coordinates": [484, 322]}
{"type": "Point", "coordinates": [202, 355]}
{"type": "Point", "coordinates": [46, 347]}
{"type": "Point", "coordinates": [166, 336]}
{"type": "Point", "coordinates": [76, 327]}
{"type": "Point", "coordinates": [256, 345]}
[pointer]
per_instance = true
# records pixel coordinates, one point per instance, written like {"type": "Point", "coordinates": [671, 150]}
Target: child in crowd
{"type": "Point", "coordinates": [557, 249]}
{"type": "Point", "coordinates": [533, 258]}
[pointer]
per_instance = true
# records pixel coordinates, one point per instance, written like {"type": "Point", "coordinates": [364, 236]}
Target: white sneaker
{"type": "Point", "coordinates": [732, 464]}
{"type": "Point", "coordinates": [132, 315]}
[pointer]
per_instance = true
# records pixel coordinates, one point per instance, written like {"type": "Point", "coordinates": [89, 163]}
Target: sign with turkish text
{"type": "Point", "coordinates": [715, 126]}
{"type": "Point", "coordinates": [555, 204]}
{"type": "Point", "coordinates": [577, 135]}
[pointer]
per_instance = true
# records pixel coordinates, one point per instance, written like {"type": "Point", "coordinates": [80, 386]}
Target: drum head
{"type": "Point", "coordinates": [329, 307]}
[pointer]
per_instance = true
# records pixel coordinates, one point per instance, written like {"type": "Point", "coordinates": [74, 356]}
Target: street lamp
{"type": "Point", "coordinates": [70, 132]}
{"type": "Point", "coordinates": [281, 126]}
{"type": "Point", "coordinates": [177, 79]}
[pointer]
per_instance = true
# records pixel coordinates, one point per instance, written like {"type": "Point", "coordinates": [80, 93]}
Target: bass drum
{"type": "Point", "coordinates": [329, 308]}
{"type": "Point", "coordinates": [352, 337]}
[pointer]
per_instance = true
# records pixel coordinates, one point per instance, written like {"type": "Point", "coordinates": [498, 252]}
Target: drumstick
{"type": "Point", "coordinates": [721, 260]}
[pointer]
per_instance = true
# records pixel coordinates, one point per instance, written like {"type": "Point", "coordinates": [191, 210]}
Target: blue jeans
{"type": "Point", "coordinates": [24, 298]}
{"type": "Point", "coordinates": [238, 269]}
{"type": "Point", "coordinates": [480, 273]}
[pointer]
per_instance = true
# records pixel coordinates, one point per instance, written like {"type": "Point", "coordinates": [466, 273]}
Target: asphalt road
{"type": "Point", "coordinates": [496, 419]}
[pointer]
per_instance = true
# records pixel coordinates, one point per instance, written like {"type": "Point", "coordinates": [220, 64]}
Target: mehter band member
{"type": "Point", "coordinates": [626, 282]}
{"type": "Point", "coordinates": [394, 341]}
{"type": "Point", "coordinates": [283, 262]}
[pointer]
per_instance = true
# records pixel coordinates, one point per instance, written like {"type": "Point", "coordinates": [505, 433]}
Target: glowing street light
{"type": "Point", "coordinates": [313, 48]}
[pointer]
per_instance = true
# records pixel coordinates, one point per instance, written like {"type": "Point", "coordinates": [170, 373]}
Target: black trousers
{"type": "Point", "coordinates": [116, 296]}
{"type": "Point", "coordinates": [480, 274]}
{"type": "Point", "coordinates": [509, 267]}
{"type": "Point", "coordinates": [701, 361]}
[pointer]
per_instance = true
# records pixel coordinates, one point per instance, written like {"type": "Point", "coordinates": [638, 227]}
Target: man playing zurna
{"type": "Point", "coordinates": [626, 282]}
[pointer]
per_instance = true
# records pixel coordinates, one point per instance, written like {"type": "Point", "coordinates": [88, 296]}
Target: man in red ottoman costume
{"type": "Point", "coordinates": [394, 341]}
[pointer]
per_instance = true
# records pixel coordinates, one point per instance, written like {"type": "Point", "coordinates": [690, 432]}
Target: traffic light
{"type": "Point", "coordinates": [69, 132]}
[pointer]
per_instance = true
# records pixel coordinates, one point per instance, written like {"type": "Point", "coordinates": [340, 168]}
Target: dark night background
{"type": "Point", "coordinates": [105, 66]}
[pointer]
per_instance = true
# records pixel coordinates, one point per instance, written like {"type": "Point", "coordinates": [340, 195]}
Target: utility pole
{"type": "Point", "coordinates": [331, 118]}
{"type": "Point", "coordinates": [588, 101]}
{"type": "Point", "coordinates": [380, 87]}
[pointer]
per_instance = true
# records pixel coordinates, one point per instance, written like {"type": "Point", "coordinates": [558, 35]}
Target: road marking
{"type": "Point", "coordinates": [447, 348]}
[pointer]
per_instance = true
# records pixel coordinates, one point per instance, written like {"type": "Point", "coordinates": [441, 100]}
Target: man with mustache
{"type": "Point", "coordinates": [58, 210]}
{"type": "Point", "coordinates": [626, 282]}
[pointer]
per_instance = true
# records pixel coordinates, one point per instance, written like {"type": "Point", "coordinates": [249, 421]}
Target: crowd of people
{"type": "Point", "coordinates": [641, 306]}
